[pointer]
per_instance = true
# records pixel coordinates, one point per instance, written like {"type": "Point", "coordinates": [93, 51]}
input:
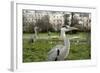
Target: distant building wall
{"type": "Point", "coordinates": [57, 20]}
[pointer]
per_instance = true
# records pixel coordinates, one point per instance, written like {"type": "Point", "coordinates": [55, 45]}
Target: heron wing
{"type": "Point", "coordinates": [52, 54]}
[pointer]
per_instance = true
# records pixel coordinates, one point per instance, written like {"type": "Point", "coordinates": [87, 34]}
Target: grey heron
{"type": "Point", "coordinates": [61, 51]}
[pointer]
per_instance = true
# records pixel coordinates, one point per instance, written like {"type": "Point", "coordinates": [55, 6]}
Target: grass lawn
{"type": "Point", "coordinates": [38, 50]}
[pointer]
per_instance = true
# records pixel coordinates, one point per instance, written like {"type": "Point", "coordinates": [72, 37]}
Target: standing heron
{"type": "Point", "coordinates": [61, 51]}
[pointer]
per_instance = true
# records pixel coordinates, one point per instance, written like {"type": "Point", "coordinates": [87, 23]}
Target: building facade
{"type": "Point", "coordinates": [56, 18]}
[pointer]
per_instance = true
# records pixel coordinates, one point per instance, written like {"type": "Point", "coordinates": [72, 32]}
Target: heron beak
{"type": "Point", "coordinates": [71, 28]}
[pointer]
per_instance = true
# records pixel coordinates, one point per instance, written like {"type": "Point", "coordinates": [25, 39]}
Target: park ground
{"type": "Point", "coordinates": [37, 51]}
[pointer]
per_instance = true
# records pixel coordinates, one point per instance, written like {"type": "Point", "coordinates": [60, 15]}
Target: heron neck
{"type": "Point", "coordinates": [66, 41]}
{"type": "Point", "coordinates": [65, 38]}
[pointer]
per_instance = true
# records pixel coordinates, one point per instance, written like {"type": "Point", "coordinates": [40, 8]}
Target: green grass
{"type": "Point", "coordinates": [79, 52]}
{"type": "Point", "coordinates": [38, 51]}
